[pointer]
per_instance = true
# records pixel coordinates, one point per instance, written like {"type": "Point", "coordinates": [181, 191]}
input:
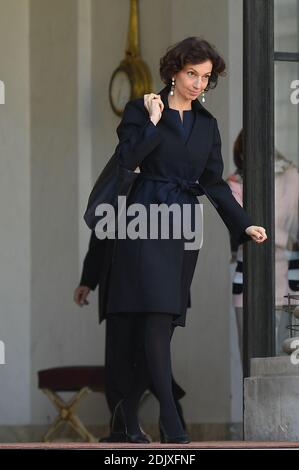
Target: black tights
{"type": "Point", "coordinates": [151, 335]}
{"type": "Point", "coordinates": [158, 333]}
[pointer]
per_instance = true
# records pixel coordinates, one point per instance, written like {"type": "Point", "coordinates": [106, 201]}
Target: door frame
{"type": "Point", "coordinates": [259, 196]}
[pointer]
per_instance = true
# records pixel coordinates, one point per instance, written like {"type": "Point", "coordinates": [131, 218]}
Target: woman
{"type": "Point", "coordinates": [175, 143]}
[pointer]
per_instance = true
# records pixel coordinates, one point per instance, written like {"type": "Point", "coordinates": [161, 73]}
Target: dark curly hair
{"type": "Point", "coordinates": [192, 50]}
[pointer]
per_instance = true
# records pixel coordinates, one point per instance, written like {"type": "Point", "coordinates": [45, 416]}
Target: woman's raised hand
{"type": "Point", "coordinates": [154, 106]}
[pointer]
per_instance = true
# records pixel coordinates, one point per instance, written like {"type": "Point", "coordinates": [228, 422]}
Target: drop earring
{"type": "Point", "coordinates": [172, 86]}
{"type": "Point", "coordinates": [203, 97]}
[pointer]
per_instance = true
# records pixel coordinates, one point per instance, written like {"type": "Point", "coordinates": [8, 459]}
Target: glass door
{"type": "Point", "coordinates": [286, 163]}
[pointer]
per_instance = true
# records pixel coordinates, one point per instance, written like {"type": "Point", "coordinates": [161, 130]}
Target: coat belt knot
{"type": "Point", "coordinates": [170, 191]}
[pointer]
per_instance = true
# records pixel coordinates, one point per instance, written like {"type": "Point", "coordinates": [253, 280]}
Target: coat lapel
{"type": "Point", "coordinates": [169, 117]}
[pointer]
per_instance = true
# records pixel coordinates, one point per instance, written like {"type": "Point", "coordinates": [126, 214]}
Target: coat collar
{"type": "Point", "coordinates": [173, 121]}
{"type": "Point", "coordinates": [196, 105]}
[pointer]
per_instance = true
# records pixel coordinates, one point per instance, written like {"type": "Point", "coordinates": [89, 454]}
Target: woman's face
{"type": "Point", "coordinates": [192, 80]}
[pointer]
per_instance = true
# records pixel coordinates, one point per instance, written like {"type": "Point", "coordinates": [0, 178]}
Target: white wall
{"type": "Point", "coordinates": [62, 333]}
{"type": "Point", "coordinates": [15, 231]}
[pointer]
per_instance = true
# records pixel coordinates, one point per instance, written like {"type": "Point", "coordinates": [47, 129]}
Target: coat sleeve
{"type": "Point", "coordinates": [138, 135]}
{"type": "Point", "coordinates": [92, 262]}
{"type": "Point", "coordinates": [233, 215]}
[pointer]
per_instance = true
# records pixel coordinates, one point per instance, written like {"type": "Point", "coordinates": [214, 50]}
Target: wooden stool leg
{"type": "Point", "coordinates": [66, 413]}
{"type": "Point", "coordinates": [75, 421]}
{"type": "Point", "coordinates": [60, 405]}
{"type": "Point", "coordinates": [78, 426]}
{"type": "Point", "coordinates": [55, 399]}
{"type": "Point", "coordinates": [54, 426]}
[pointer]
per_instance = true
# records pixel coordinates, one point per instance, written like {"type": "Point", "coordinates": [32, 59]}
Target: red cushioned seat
{"type": "Point", "coordinates": [72, 378]}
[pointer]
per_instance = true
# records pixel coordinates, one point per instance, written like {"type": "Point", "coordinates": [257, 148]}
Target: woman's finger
{"type": "Point", "coordinates": [258, 235]}
{"type": "Point", "coordinates": [261, 233]}
{"type": "Point", "coordinates": [255, 233]}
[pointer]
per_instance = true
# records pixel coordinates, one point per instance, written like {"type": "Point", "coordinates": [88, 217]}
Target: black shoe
{"type": "Point", "coordinates": [164, 439]}
{"type": "Point", "coordinates": [119, 430]}
{"type": "Point", "coordinates": [139, 438]}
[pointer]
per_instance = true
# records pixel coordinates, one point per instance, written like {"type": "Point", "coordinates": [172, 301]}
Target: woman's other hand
{"type": "Point", "coordinates": [258, 234]}
{"type": "Point", "coordinates": [154, 105]}
{"type": "Point", "coordinates": [80, 295]}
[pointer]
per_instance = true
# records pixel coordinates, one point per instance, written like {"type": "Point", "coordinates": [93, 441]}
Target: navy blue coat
{"type": "Point", "coordinates": [96, 261]}
{"type": "Point", "coordinates": [155, 275]}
